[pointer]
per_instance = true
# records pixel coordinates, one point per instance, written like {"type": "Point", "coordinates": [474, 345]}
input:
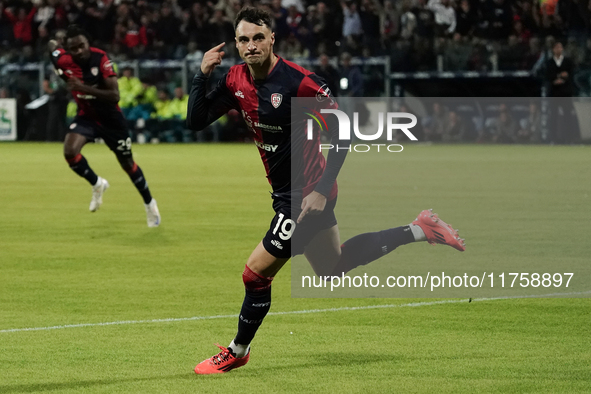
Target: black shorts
{"type": "Point", "coordinates": [285, 238]}
{"type": "Point", "coordinates": [116, 138]}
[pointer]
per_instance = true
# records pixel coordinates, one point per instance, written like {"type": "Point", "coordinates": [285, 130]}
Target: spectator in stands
{"type": "Point", "coordinates": [523, 35]}
{"type": "Point", "coordinates": [194, 57]}
{"type": "Point", "coordinates": [6, 33]}
{"type": "Point", "coordinates": [144, 101]}
{"type": "Point", "coordinates": [199, 28]}
{"type": "Point", "coordinates": [161, 105]}
{"type": "Point", "coordinates": [549, 24]}
{"type": "Point", "coordinates": [134, 42]}
{"type": "Point", "coordinates": [292, 48]}
{"type": "Point", "coordinates": [178, 105]}
{"type": "Point", "coordinates": [279, 14]}
{"type": "Point", "coordinates": [45, 16]}
{"type": "Point", "coordinates": [158, 122]}
{"type": "Point", "coordinates": [351, 80]}
{"type": "Point", "coordinates": [167, 31]}
{"type": "Point", "coordinates": [370, 25]}
{"type": "Point", "coordinates": [391, 20]}
{"type": "Point", "coordinates": [503, 129]}
{"type": "Point", "coordinates": [352, 29]}
{"type": "Point", "coordinates": [445, 17]}
{"type": "Point", "coordinates": [434, 123]}
{"type": "Point", "coordinates": [576, 18]}
{"type": "Point", "coordinates": [222, 30]}
{"type": "Point", "coordinates": [546, 54]}
{"type": "Point", "coordinates": [22, 29]}
{"type": "Point", "coordinates": [532, 55]}
{"type": "Point", "coordinates": [559, 75]}
{"type": "Point", "coordinates": [408, 21]}
{"type": "Point", "coordinates": [582, 77]}
{"type": "Point", "coordinates": [466, 19]}
{"type": "Point", "coordinates": [425, 20]}
{"type": "Point", "coordinates": [530, 126]}
{"type": "Point", "coordinates": [327, 72]}
{"type": "Point", "coordinates": [500, 20]}
{"type": "Point", "coordinates": [325, 30]}
{"type": "Point", "coordinates": [40, 48]}
{"type": "Point", "coordinates": [511, 55]}
{"type": "Point", "coordinates": [457, 54]}
{"type": "Point", "coordinates": [295, 20]}
{"type": "Point", "coordinates": [527, 15]}
{"type": "Point", "coordinates": [129, 88]}
{"type": "Point", "coordinates": [454, 129]}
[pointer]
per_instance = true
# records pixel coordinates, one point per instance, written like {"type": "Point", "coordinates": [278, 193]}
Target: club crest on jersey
{"type": "Point", "coordinates": [276, 99]}
{"type": "Point", "coordinates": [94, 71]}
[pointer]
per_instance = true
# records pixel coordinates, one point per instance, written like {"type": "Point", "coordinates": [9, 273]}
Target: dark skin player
{"type": "Point", "coordinates": [79, 48]}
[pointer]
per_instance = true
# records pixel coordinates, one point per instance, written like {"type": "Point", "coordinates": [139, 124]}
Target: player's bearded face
{"type": "Point", "coordinates": [254, 42]}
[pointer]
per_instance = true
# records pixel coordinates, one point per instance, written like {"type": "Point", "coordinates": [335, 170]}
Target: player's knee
{"type": "Point", "coordinates": [255, 282]}
{"type": "Point", "coordinates": [70, 153]}
{"type": "Point", "coordinates": [128, 165]}
{"type": "Point", "coordinates": [72, 157]}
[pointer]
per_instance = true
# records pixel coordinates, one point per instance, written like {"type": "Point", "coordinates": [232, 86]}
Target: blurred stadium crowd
{"type": "Point", "coordinates": [416, 35]}
{"type": "Point", "coordinates": [411, 32]}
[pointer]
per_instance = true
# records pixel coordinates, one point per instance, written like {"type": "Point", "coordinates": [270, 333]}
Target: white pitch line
{"type": "Point", "coordinates": [305, 311]}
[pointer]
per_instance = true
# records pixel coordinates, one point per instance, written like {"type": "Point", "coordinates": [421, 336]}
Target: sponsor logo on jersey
{"type": "Point", "coordinates": [85, 96]}
{"type": "Point", "coordinates": [55, 53]}
{"type": "Point", "coordinates": [267, 147]}
{"type": "Point", "coordinates": [239, 94]}
{"type": "Point", "coordinates": [276, 99]}
{"type": "Point", "coordinates": [268, 127]}
{"type": "Point", "coordinates": [277, 245]}
{"type": "Point", "coordinates": [94, 71]}
{"type": "Point", "coordinates": [323, 93]}
{"type": "Point", "coordinates": [108, 66]}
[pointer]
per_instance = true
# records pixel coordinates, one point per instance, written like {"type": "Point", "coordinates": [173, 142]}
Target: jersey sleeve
{"type": "Point", "coordinates": [204, 108]}
{"type": "Point", "coordinates": [314, 86]}
{"type": "Point", "coordinates": [58, 63]}
{"type": "Point", "coordinates": [106, 67]}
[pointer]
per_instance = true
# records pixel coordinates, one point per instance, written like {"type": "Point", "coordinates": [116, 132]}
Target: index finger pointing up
{"type": "Point", "coordinates": [217, 47]}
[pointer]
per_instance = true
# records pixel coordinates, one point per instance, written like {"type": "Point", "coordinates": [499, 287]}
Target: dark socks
{"type": "Point", "coordinates": [256, 305]}
{"type": "Point", "coordinates": [365, 248]}
{"type": "Point", "coordinates": [80, 166]}
{"type": "Point", "coordinates": [137, 177]}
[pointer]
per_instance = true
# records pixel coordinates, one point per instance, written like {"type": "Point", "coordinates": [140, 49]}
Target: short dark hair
{"type": "Point", "coordinates": [75, 31]}
{"type": "Point", "coordinates": [253, 15]}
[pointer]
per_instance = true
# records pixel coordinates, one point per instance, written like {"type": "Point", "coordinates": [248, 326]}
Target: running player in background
{"type": "Point", "coordinates": [261, 89]}
{"type": "Point", "coordinates": [89, 75]}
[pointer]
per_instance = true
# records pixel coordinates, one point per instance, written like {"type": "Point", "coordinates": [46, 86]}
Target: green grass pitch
{"type": "Point", "coordinates": [62, 265]}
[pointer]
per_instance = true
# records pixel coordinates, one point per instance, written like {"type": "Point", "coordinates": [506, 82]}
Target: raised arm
{"type": "Point", "coordinates": [204, 108]}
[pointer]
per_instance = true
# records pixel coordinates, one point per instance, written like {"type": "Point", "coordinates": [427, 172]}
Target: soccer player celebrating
{"type": "Point", "coordinates": [89, 75]}
{"type": "Point", "coordinates": [261, 89]}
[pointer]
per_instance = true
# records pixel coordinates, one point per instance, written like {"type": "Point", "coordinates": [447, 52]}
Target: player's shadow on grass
{"type": "Point", "coordinates": [35, 387]}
